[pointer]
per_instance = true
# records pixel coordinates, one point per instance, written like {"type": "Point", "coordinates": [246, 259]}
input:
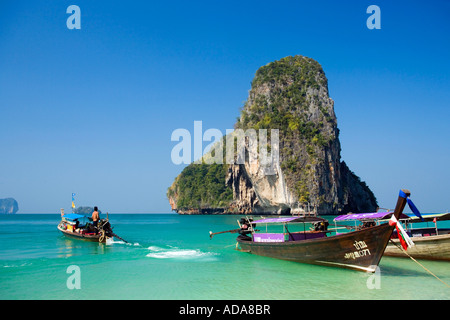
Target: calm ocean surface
{"type": "Point", "coordinates": [171, 257]}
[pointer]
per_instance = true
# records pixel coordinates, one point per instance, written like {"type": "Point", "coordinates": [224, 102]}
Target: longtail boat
{"type": "Point", "coordinates": [359, 250]}
{"type": "Point", "coordinates": [70, 226]}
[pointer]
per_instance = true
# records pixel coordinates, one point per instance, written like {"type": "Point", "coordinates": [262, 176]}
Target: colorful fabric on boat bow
{"type": "Point", "coordinates": [405, 240]}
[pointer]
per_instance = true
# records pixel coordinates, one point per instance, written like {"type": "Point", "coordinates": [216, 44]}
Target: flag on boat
{"type": "Point", "coordinates": [414, 209]}
{"type": "Point", "coordinates": [411, 205]}
{"type": "Point", "coordinates": [73, 200]}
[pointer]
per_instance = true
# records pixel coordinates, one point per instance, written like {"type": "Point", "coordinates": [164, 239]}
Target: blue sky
{"type": "Point", "coordinates": [91, 111]}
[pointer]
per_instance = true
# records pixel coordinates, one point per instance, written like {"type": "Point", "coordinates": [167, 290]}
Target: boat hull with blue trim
{"type": "Point", "coordinates": [101, 234]}
{"type": "Point", "coordinates": [89, 236]}
{"type": "Point", "coordinates": [71, 227]}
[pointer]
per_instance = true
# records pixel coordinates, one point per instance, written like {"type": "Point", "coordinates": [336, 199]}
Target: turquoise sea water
{"type": "Point", "coordinates": [171, 257]}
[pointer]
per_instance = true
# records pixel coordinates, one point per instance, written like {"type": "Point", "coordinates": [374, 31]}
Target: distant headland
{"type": "Point", "coordinates": [85, 210]}
{"type": "Point", "coordinates": [8, 206]}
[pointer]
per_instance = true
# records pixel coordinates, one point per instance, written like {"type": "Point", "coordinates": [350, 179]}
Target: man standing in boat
{"type": "Point", "coordinates": [95, 217]}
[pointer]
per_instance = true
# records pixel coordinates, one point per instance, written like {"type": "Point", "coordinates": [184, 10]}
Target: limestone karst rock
{"type": "Point", "coordinates": [290, 95]}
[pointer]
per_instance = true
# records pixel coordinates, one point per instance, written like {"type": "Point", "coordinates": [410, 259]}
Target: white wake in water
{"type": "Point", "coordinates": [176, 253]}
{"type": "Point", "coordinates": [171, 252]}
{"type": "Point", "coordinates": [110, 241]}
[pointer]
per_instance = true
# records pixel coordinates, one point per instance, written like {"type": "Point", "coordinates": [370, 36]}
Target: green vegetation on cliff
{"type": "Point", "coordinates": [201, 186]}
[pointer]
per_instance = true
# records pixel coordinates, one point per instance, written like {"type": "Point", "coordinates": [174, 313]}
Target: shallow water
{"type": "Point", "coordinates": [171, 257]}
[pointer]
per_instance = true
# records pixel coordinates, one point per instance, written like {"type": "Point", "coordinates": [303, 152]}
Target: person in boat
{"type": "Point", "coordinates": [95, 217]}
{"type": "Point", "coordinates": [77, 226]}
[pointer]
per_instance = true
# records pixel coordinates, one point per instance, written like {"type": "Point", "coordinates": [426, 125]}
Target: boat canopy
{"type": "Point", "coordinates": [366, 216]}
{"type": "Point", "coordinates": [72, 216]}
{"type": "Point", "coordinates": [361, 216]}
{"type": "Point", "coordinates": [289, 220]}
{"type": "Point", "coordinates": [431, 217]}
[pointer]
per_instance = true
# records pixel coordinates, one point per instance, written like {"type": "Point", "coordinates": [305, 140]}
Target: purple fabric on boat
{"type": "Point", "coordinates": [296, 236]}
{"type": "Point", "coordinates": [268, 237]}
{"type": "Point", "coordinates": [360, 216]}
{"type": "Point", "coordinates": [275, 220]}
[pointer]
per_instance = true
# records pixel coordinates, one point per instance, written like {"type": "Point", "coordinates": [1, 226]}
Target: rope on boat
{"type": "Point", "coordinates": [404, 251]}
{"type": "Point", "coordinates": [102, 236]}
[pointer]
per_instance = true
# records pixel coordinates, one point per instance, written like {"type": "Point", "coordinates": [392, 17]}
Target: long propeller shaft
{"type": "Point", "coordinates": [211, 234]}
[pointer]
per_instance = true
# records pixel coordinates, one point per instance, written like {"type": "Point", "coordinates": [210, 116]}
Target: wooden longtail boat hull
{"type": "Point", "coordinates": [87, 237]}
{"type": "Point", "coordinates": [359, 250]}
{"type": "Point", "coordinates": [430, 248]}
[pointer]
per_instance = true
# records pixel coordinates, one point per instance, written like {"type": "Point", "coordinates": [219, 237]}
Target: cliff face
{"type": "Point", "coordinates": [256, 192]}
{"type": "Point", "coordinates": [8, 206]}
{"type": "Point", "coordinates": [291, 95]}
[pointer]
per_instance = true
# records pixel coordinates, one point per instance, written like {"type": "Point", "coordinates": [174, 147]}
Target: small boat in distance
{"type": "Point", "coordinates": [70, 226]}
{"type": "Point", "coordinates": [358, 250]}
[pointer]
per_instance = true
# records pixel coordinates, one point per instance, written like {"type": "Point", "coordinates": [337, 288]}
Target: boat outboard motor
{"type": "Point", "coordinates": [321, 226]}
{"type": "Point", "coordinates": [104, 225]}
{"type": "Point", "coordinates": [246, 226]}
{"type": "Point", "coordinates": [106, 229]}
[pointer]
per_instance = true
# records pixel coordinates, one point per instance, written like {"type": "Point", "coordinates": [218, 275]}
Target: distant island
{"type": "Point", "coordinates": [86, 211]}
{"type": "Point", "coordinates": [290, 95]}
{"type": "Point", "coordinates": [8, 206]}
